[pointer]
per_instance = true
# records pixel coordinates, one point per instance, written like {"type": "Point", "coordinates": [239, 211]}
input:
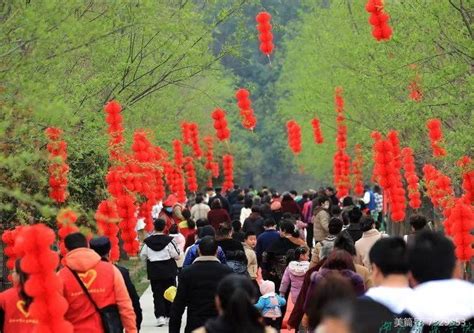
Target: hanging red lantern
{"type": "Point", "coordinates": [114, 119]}
{"type": "Point", "coordinates": [438, 188]}
{"type": "Point", "coordinates": [357, 165]}
{"type": "Point", "coordinates": [220, 125]}
{"type": "Point", "coordinates": [379, 20]}
{"type": "Point", "coordinates": [265, 33]}
{"type": "Point", "coordinates": [436, 136]}
{"type": "Point", "coordinates": [107, 219]}
{"type": "Point", "coordinates": [178, 153]}
{"type": "Point", "coordinates": [245, 105]}
{"type": "Point", "coordinates": [317, 134]}
{"type": "Point", "coordinates": [186, 133]}
{"type": "Point", "coordinates": [411, 177]}
{"type": "Point", "coordinates": [294, 136]}
{"type": "Point", "coordinates": [8, 237]}
{"type": "Point", "coordinates": [127, 212]}
{"type": "Point", "coordinates": [194, 137]}
{"type": "Point", "coordinates": [341, 160]}
{"type": "Point", "coordinates": [228, 167]}
{"type": "Point", "coordinates": [467, 167]}
{"type": "Point", "coordinates": [58, 168]}
{"type": "Point", "coordinates": [190, 174]}
{"type": "Point", "coordinates": [33, 244]}
{"type": "Point", "coordinates": [461, 223]}
{"type": "Point", "coordinates": [179, 185]}
{"type": "Point", "coordinates": [65, 220]}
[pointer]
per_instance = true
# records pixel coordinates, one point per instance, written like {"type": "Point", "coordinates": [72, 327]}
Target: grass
{"type": "Point", "coordinates": [137, 273]}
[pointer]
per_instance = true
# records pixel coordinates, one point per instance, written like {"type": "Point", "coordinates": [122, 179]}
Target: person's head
{"type": "Point", "coordinates": [267, 287]}
{"type": "Point", "coordinates": [250, 239]}
{"type": "Point", "coordinates": [418, 222]}
{"type": "Point", "coordinates": [216, 204]}
{"type": "Point", "coordinates": [347, 202]}
{"type": "Point", "coordinates": [287, 197]}
{"type": "Point", "coordinates": [305, 195]}
{"type": "Point", "coordinates": [344, 242]}
{"type": "Point", "coordinates": [19, 279]}
{"type": "Point", "coordinates": [336, 211]}
{"type": "Point", "coordinates": [431, 257]}
{"type": "Point", "coordinates": [218, 190]}
{"type": "Point", "coordinates": [366, 187]}
{"type": "Point", "coordinates": [159, 225]}
{"type": "Point", "coordinates": [256, 209]}
{"type": "Point", "coordinates": [293, 193]}
{"type": "Point", "coordinates": [173, 229]}
{"type": "Point", "coordinates": [388, 256]}
{"type": "Point", "coordinates": [367, 223]}
{"type": "Point", "coordinates": [248, 203]}
{"type": "Point", "coordinates": [301, 254]}
{"type": "Point", "coordinates": [322, 201]}
{"type": "Point", "coordinates": [101, 245]}
{"type": "Point", "coordinates": [235, 299]}
{"type": "Point", "coordinates": [377, 189]}
{"type": "Point", "coordinates": [332, 287]}
{"type": "Point", "coordinates": [199, 199]}
{"type": "Point", "coordinates": [75, 240]}
{"type": "Point", "coordinates": [269, 224]}
{"type": "Point", "coordinates": [209, 190]}
{"type": "Point", "coordinates": [240, 197]}
{"type": "Point", "coordinates": [355, 214]}
{"type": "Point", "coordinates": [288, 229]}
{"type": "Point", "coordinates": [329, 191]}
{"type": "Point", "coordinates": [207, 246]}
{"type": "Point", "coordinates": [186, 214]}
{"type": "Point", "coordinates": [224, 231]}
{"type": "Point", "coordinates": [236, 225]}
{"type": "Point", "coordinates": [339, 260]}
{"type": "Point", "coordinates": [335, 226]}
{"type": "Point", "coordinates": [206, 230]}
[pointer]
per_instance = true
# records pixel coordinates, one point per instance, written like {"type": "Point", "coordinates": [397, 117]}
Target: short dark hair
{"type": "Point", "coordinates": [199, 199]}
{"type": "Point", "coordinates": [201, 223]}
{"type": "Point", "coordinates": [236, 225]}
{"type": "Point", "coordinates": [366, 223]}
{"type": "Point", "coordinates": [321, 199]}
{"type": "Point", "coordinates": [355, 215]}
{"type": "Point", "coordinates": [339, 259]}
{"type": "Point", "coordinates": [418, 221]}
{"type": "Point", "coordinates": [249, 233]}
{"type": "Point", "coordinates": [294, 192]}
{"type": "Point", "coordinates": [173, 229]}
{"type": "Point", "coordinates": [207, 230]}
{"type": "Point", "coordinates": [224, 230]}
{"type": "Point", "coordinates": [269, 223]}
{"type": "Point", "coordinates": [389, 254]}
{"type": "Point", "coordinates": [208, 246]}
{"type": "Point", "coordinates": [186, 213]}
{"type": "Point", "coordinates": [248, 202]}
{"type": "Point", "coordinates": [335, 226]}
{"type": "Point", "coordinates": [159, 224]}
{"type": "Point", "coordinates": [347, 201]}
{"type": "Point", "coordinates": [216, 203]}
{"type": "Point", "coordinates": [345, 242]}
{"type": "Point", "coordinates": [218, 189]}
{"type": "Point", "coordinates": [75, 240]}
{"type": "Point", "coordinates": [335, 210]}
{"type": "Point", "coordinates": [256, 209]}
{"type": "Point", "coordinates": [431, 257]}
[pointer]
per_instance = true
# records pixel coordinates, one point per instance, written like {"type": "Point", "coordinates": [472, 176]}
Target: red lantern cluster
{"type": "Point", "coordinates": [114, 120]}
{"type": "Point", "coordinates": [467, 166]}
{"type": "Point", "coordinates": [245, 105]}
{"type": "Point", "coordinates": [341, 160]}
{"type": "Point", "coordinates": [228, 166]}
{"type": "Point", "coordinates": [379, 20]}
{"type": "Point", "coordinates": [107, 220]}
{"type": "Point", "coordinates": [191, 174]}
{"type": "Point", "coordinates": [411, 177]}
{"type": "Point", "coordinates": [194, 136]}
{"type": "Point", "coordinates": [209, 142]}
{"type": "Point", "coordinates": [317, 134]}
{"type": "Point", "coordinates": [294, 136]}
{"type": "Point", "coordinates": [186, 133]}
{"type": "Point", "coordinates": [439, 189]}
{"type": "Point", "coordinates": [58, 168]}
{"type": "Point", "coordinates": [461, 223]}
{"type": "Point", "coordinates": [220, 124]}
{"type": "Point", "coordinates": [178, 153]}
{"type": "Point", "coordinates": [33, 245]}
{"type": "Point", "coordinates": [178, 185]}
{"type": "Point", "coordinates": [264, 27]}
{"type": "Point", "coordinates": [65, 220]}
{"type": "Point", "coordinates": [127, 212]}
{"type": "Point", "coordinates": [389, 176]}
{"type": "Point", "coordinates": [8, 237]}
{"type": "Point", "coordinates": [357, 165]}
{"type": "Point", "coordinates": [436, 136]}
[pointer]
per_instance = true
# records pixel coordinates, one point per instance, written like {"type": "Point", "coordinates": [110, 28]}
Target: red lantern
{"type": "Point", "coordinates": [190, 174]}
{"type": "Point", "coordinates": [178, 153]}
{"type": "Point", "coordinates": [461, 223]}
{"type": "Point", "coordinates": [220, 125]}
{"type": "Point", "coordinates": [65, 220]}
{"type": "Point", "coordinates": [58, 168]}
{"type": "Point", "coordinates": [245, 105]}
{"type": "Point", "coordinates": [439, 189]}
{"type": "Point", "coordinates": [294, 136]}
{"type": "Point", "coordinates": [379, 20]}
{"type": "Point", "coordinates": [341, 159]}
{"type": "Point", "coordinates": [265, 32]}
{"type": "Point", "coordinates": [228, 167]}
{"type": "Point", "coordinates": [114, 120]}
{"type": "Point", "coordinates": [411, 177]}
{"type": "Point", "coordinates": [186, 133]}
{"type": "Point", "coordinates": [467, 167]}
{"type": "Point", "coordinates": [107, 221]}
{"type": "Point", "coordinates": [357, 165]}
{"type": "Point", "coordinates": [436, 136]}
{"type": "Point", "coordinates": [317, 134]}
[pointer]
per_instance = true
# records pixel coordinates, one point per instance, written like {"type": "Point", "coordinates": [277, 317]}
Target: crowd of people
{"type": "Point", "coordinates": [242, 260]}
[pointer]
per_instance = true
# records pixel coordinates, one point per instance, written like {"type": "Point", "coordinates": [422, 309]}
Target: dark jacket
{"type": "Point", "coordinates": [160, 269]}
{"type": "Point", "coordinates": [239, 236]}
{"type": "Point", "coordinates": [224, 201]}
{"type": "Point", "coordinates": [197, 285]}
{"type": "Point", "coordinates": [234, 254]}
{"type": "Point", "coordinates": [290, 206]}
{"type": "Point", "coordinates": [235, 210]}
{"type": "Point", "coordinates": [218, 216]}
{"type": "Point", "coordinates": [254, 223]}
{"type": "Point", "coordinates": [275, 258]}
{"type": "Point", "coordinates": [264, 240]}
{"type": "Point", "coordinates": [354, 231]}
{"type": "Point", "coordinates": [266, 211]}
{"type": "Point", "coordinates": [132, 292]}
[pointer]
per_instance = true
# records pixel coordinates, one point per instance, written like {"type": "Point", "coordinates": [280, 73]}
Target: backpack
{"type": "Point", "coordinates": [276, 264]}
{"type": "Point", "coordinates": [238, 267]}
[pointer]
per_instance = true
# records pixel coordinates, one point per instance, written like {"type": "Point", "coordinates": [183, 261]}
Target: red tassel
{"type": "Point", "coordinates": [318, 135]}
{"type": "Point", "coordinates": [220, 125]}
{"type": "Point", "coordinates": [436, 136]}
{"type": "Point", "coordinates": [265, 28]}
{"type": "Point", "coordinates": [379, 20]}
{"type": "Point", "coordinates": [294, 136]}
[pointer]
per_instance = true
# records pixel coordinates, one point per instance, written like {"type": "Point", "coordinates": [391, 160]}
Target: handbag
{"type": "Point", "coordinates": [109, 314]}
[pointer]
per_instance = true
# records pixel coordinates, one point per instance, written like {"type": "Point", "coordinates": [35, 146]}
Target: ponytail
{"type": "Point", "coordinates": [22, 278]}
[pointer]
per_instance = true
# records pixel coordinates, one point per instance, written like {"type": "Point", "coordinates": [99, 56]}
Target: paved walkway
{"type": "Point", "coordinates": [149, 321]}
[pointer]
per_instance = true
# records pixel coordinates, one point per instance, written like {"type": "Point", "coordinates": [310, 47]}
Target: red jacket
{"type": "Point", "coordinates": [104, 283]}
{"type": "Point", "coordinates": [218, 216]}
{"type": "Point", "coordinates": [17, 318]}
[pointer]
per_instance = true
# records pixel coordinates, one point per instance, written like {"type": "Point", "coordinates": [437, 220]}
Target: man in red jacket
{"type": "Point", "coordinates": [104, 283]}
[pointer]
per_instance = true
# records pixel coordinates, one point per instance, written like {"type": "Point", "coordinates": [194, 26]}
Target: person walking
{"type": "Point", "coordinates": [249, 244]}
{"type": "Point", "coordinates": [270, 305]}
{"type": "Point", "coordinates": [160, 252]}
{"type": "Point", "coordinates": [197, 286]}
{"type": "Point", "coordinates": [217, 214]}
{"type": "Point", "coordinates": [84, 270]}
{"type": "Point", "coordinates": [254, 222]}
{"type": "Point", "coordinates": [200, 209]}
{"type": "Point", "coordinates": [193, 251]}
{"type": "Point", "coordinates": [294, 274]}
{"type": "Point", "coordinates": [369, 236]}
{"type": "Point", "coordinates": [321, 218]}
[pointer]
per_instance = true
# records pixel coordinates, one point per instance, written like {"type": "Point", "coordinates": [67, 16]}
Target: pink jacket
{"type": "Point", "coordinates": [294, 276]}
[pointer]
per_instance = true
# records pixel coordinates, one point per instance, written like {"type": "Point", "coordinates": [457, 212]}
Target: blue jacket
{"type": "Point", "coordinates": [193, 254]}
{"type": "Point", "coordinates": [270, 304]}
{"type": "Point", "coordinates": [264, 240]}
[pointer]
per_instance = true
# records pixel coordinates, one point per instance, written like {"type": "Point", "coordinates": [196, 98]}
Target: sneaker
{"type": "Point", "coordinates": [161, 321]}
{"type": "Point", "coordinates": [167, 321]}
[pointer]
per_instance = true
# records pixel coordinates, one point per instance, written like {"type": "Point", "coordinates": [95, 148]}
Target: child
{"type": "Point", "coordinates": [187, 226]}
{"type": "Point", "coordinates": [294, 273]}
{"type": "Point", "coordinates": [270, 304]}
{"type": "Point", "coordinates": [180, 240]}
